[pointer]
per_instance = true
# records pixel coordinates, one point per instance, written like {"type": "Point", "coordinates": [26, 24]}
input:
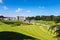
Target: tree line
{"type": "Point", "coordinates": [45, 18]}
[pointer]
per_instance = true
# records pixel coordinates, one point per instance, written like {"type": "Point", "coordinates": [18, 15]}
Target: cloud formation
{"type": "Point", "coordinates": [19, 10]}
{"type": "Point", "coordinates": [5, 8]}
{"type": "Point", "coordinates": [28, 11]}
{"type": "Point", "coordinates": [1, 1]}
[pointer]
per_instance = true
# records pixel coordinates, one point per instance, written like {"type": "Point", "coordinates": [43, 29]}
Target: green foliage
{"type": "Point", "coordinates": [37, 18]}
{"type": "Point", "coordinates": [46, 18]}
{"type": "Point", "coordinates": [13, 23]}
{"type": "Point", "coordinates": [29, 18]}
{"type": "Point", "coordinates": [57, 30]}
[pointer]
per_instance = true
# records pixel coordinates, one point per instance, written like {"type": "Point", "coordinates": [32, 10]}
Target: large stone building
{"type": "Point", "coordinates": [21, 17]}
{"type": "Point", "coordinates": [13, 18]}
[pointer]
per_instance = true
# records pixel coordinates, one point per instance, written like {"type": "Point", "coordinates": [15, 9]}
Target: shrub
{"type": "Point", "coordinates": [13, 23]}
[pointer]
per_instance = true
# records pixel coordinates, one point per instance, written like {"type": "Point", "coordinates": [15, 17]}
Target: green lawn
{"type": "Point", "coordinates": [36, 30]}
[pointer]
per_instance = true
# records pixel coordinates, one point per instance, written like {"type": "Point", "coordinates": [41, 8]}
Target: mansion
{"type": "Point", "coordinates": [13, 18]}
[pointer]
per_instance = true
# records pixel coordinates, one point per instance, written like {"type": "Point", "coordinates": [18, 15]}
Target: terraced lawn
{"type": "Point", "coordinates": [37, 31]}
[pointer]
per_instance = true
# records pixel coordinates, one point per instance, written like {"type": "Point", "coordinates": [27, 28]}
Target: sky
{"type": "Point", "coordinates": [29, 7]}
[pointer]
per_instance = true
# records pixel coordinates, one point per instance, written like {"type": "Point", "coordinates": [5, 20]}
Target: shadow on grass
{"type": "Point", "coordinates": [6, 35]}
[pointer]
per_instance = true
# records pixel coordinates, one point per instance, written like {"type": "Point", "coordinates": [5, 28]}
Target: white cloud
{"type": "Point", "coordinates": [19, 10]}
{"type": "Point", "coordinates": [0, 14]}
{"type": "Point", "coordinates": [28, 11]}
{"type": "Point", "coordinates": [1, 1]}
{"type": "Point", "coordinates": [5, 8]}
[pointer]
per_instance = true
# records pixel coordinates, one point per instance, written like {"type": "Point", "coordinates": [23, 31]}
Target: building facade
{"type": "Point", "coordinates": [13, 18]}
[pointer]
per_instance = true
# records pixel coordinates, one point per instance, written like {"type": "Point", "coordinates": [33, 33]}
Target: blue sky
{"type": "Point", "coordinates": [29, 7]}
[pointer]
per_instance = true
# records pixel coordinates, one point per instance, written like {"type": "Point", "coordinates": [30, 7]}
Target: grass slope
{"type": "Point", "coordinates": [32, 30]}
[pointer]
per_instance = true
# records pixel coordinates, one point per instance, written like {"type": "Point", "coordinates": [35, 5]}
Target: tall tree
{"type": "Point", "coordinates": [2, 17]}
{"type": "Point", "coordinates": [37, 18]}
{"type": "Point", "coordinates": [29, 19]}
{"type": "Point", "coordinates": [52, 17]}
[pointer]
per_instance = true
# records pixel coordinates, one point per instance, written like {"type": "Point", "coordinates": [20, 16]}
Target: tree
{"type": "Point", "coordinates": [58, 19]}
{"type": "Point", "coordinates": [29, 19]}
{"type": "Point", "coordinates": [57, 29]}
{"type": "Point", "coordinates": [43, 18]}
{"type": "Point", "coordinates": [2, 17]}
{"type": "Point", "coordinates": [52, 17]}
{"type": "Point", "coordinates": [37, 18]}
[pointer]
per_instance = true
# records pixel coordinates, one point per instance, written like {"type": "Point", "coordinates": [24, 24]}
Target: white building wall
{"type": "Point", "coordinates": [15, 18]}
{"type": "Point", "coordinates": [21, 18]}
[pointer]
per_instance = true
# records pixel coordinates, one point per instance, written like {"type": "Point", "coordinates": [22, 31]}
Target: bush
{"type": "Point", "coordinates": [13, 23]}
